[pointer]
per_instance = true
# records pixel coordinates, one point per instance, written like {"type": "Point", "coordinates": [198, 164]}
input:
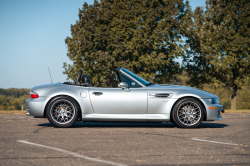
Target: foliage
{"type": "Point", "coordinates": [142, 36]}
{"type": "Point", "coordinates": [223, 93]}
{"type": "Point", "coordinates": [219, 41]}
{"type": "Point", "coordinates": [15, 92]}
{"type": "Point", "coordinates": [13, 98]}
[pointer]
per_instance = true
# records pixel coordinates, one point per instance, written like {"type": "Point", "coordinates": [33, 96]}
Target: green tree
{"type": "Point", "coordinates": [219, 41]}
{"type": "Point", "coordinates": [142, 36]}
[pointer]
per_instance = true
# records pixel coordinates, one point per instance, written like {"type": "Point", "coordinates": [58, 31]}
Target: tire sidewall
{"type": "Point", "coordinates": [176, 119]}
{"type": "Point", "coordinates": [74, 119]}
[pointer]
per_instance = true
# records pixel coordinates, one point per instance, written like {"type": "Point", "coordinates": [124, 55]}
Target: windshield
{"type": "Point", "coordinates": [136, 77]}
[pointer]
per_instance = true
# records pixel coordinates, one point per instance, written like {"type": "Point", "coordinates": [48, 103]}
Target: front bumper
{"type": "Point", "coordinates": [222, 110]}
{"type": "Point", "coordinates": [213, 110]}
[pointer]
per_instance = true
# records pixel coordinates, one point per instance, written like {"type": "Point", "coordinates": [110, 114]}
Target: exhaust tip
{"type": "Point", "coordinates": [28, 113]}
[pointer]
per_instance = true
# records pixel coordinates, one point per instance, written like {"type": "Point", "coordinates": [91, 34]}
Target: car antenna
{"type": "Point", "coordinates": [50, 76]}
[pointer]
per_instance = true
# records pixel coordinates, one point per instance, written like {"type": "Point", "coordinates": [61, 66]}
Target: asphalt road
{"type": "Point", "coordinates": [28, 141]}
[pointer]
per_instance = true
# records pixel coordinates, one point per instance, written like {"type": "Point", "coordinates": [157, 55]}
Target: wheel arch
{"type": "Point", "coordinates": [44, 111]}
{"type": "Point", "coordinates": [205, 115]}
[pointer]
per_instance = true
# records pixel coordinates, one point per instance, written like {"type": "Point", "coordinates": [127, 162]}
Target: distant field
{"type": "Point", "coordinates": [237, 111]}
{"type": "Point", "coordinates": [8, 112]}
{"type": "Point", "coordinates": [18, 112]}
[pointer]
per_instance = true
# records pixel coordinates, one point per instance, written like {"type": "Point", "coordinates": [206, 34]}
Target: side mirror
{"type": "Point", "coordinates": [124, 86]}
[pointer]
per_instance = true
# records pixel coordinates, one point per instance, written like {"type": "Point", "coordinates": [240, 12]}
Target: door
{"type": "Point", "coordinates": [118, 101]}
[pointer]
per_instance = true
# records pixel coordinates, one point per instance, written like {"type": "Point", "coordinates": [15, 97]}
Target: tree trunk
{"type": "Point", "coordinates": [233, 98]}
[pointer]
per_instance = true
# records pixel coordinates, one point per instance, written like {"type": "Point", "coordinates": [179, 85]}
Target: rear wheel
{"type": "Point", "coordinates": [188, 113]}
{"type": "Point", "coordinates": [62, 112]}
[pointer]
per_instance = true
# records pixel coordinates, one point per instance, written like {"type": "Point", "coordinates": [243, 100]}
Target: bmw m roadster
{"type": "Point", "coordinates": [134, 100]}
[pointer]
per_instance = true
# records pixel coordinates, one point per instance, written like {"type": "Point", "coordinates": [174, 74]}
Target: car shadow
{"type": "Point", "coordinates": [136, 125]}
{"type": "Point", "coordinates": [212, 125]}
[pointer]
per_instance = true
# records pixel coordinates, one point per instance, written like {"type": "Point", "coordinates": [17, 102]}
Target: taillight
{"type": "Point", "coordinates": [33, 95]}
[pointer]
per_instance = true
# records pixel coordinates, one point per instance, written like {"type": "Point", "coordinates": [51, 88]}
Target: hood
{"type": "Point", "coordinates": [175, 86]}
{"type": "Point", "coordinates": [181, 89]}
{"type": "Point", "coordinates": [170, 86]}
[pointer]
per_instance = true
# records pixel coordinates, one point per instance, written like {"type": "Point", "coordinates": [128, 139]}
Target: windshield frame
{"type": "Point", "coordinates": [136, 77]}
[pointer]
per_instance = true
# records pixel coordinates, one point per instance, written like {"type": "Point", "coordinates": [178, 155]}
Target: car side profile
{"type": "Point", "coordinates": [134, 100]}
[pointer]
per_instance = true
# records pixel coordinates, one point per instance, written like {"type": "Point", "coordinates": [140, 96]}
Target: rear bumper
{"type": "Point", "coordinates": [35, 107]}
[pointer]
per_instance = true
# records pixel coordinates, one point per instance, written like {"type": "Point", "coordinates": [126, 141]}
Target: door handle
{"type": "Point", "coordinates": [97, 93]}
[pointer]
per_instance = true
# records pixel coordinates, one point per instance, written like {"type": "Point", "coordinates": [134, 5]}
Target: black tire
{"type": "Point", "coordinates": [62, 112]}
{"type": "Point", "coordinates": [172, 121]}
{"type": "Point", "coordinates": [188, 113]}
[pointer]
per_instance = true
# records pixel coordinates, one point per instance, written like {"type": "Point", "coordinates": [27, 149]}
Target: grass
{"type": "Point", "coordinates": [237, 111]}
{"type": "Point", "coordinates": [15, 112]}
{"type": "Point", "coordinates": [19, 112]}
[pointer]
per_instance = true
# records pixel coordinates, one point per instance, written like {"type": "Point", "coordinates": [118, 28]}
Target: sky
{"type": "Point", "coordinates": [32, 35]}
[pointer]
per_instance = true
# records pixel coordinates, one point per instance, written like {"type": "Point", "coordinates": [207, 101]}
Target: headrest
{"type": "Point", "coordinates": [85, 79]}
{"type": "Point", "coordinates": [78, 78]}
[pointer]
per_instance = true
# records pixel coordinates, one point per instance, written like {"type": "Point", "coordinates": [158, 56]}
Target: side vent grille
{"type": "Point", "coordinates": [162, 95]}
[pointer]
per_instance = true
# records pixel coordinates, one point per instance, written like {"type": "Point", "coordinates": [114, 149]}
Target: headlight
{"type": "Point", "coordinates": [214, 101]}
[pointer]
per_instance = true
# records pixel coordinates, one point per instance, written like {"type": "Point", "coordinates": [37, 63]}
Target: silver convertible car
{"type": "Point", "coordinates": [134, 100]}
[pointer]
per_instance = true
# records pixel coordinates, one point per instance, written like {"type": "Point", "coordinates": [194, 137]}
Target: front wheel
{"type": "Point", "coordinates": [188, 113]}
{"type": "Point", "coordinates": [62, 112]}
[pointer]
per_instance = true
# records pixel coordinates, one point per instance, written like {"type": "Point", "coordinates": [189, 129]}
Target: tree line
{"type": "Point", "coordinates": [147, 37]}
{"type": "Point", "coordinates": [13, 98]}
